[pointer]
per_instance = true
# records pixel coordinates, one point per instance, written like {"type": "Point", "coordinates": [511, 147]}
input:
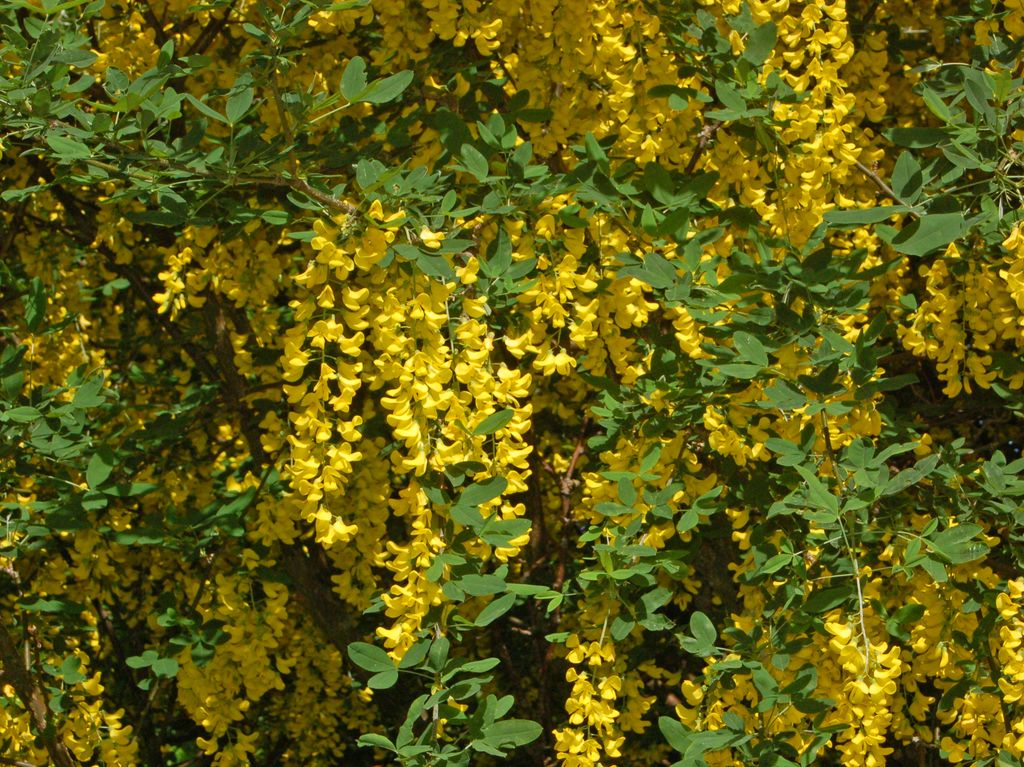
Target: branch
{"type": "Point", "coordinates": [310, 574]}
{"type": "Point", "coordinates": [566, 485]}
{"type": "Point", "coordinates": [154, 23]}
{"type": "Point", "coordinates": [880, 183]}
{"type": "Point", "coordinates": [313, 591]}
{"type": "Point", "coordinates": [18, 674]}
{"type": "Point", "coordinates": [227, 177]}
{"type": "Point", "coordinates": [210, 33]}
{"type": "Point", "coordinates": [300, 185]}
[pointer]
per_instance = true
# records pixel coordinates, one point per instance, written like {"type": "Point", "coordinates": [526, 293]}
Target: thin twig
{"type": "Point", "coordinates": [566, 485]}
{"type": "Point", "coordinates": [880, 183]}
{"type": "Point", "coordinates": [854, 562]}
{"type": "Point", "coordinates": [286, 124]}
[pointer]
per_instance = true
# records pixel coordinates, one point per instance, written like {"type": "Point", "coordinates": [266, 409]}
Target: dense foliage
{"type": "Point", "coordinates": [458, 382]}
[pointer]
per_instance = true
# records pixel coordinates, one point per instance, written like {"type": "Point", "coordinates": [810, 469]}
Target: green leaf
{"type": "Point", "coordinates": [431, 264]}
{"type": "Point", "coordinates": [438, 654]}
{"type": "Point", "coordinates": [688, 520]}
{"type": "Point", "coordinates": [481, 492]}
{"type": "Point", "coordinates": [69, 670]}
{"type": "Point", "coordinates": [484, 747]}
{"type": "Point", "coordinates": [165, 667]}
{"type": "Point", "coordinates": [68, 149]}
{"type": "Point", "coordinates": [482, 585]}
{"type": "Point", "coordinates": [675, 733]}
{"type": "Point", "coordinates": [467, 516]}
{"type": "Point", "coordinates": [478, 666]}
{"type": "Point", "coordinates": [512, 732]}
{"type": "Point", "coordinates": [750, 348]}
{"type": "Point", "coordinates": [804, 682]}
{"type": "Point", "coordinates": [935, 569]}
{"type": "Point", "coordinates": [275, 217]}
{"type": "Point", "coordinates": [373, 740]}
{"type": "Point", "coordinates": [495, 610]}
{"type": "Point", "coordinates": [76, 58]}
{"type": "Point", "coordinates": [760, 44]}
{"type": "Point", "coordinates": [88, 394]}
{"type": "Point", "coordinates": [917, 138]}
{"type": "Point", "coordinates": [703, 629]}
{"type": "Point", "coordinates": [911, 476]}
{"type": "Point", "coordinates": [256, 32]}
{"type": "Point", "coordinates": [499, 255]}
{"type": "Point", "coordinates": [353, 79]}
{"type": "Point", "coordinates": [369, 657]}
{"type": "Point", "coordinates": [627, 492]}
{"type": "Point", "coordinates": [958, 545]}
{"type": "Point", "coordinates": [532, 590]}
{"type": "Point", "coordinates": [621, 628]}
{"type": "Point", "coordinates": [741, 370]}
{"type": "Point", "coordinates": [775, 564]}
{"type": "Point", "coordinates": [937, 106]}
{"type": "Point", "coordinates": [22, 414]}
{"type": "Point", "coordinates": [784, 397]}
{"type": "Point", "coordinates": [863, 216]}
{"type": "Point", "coordinates": [162, 667]}
{"type": "Point", "coordinates": [908, 614]}
{"type": "Point", "coordinates": [475, 162]}
{"type": "Point", "coordinates": [383, 680]}
{"type": "Point", "coordinates": [650, 459]}
{"type": "Point", "coordinates": [731, 97]}
{"type": "Point", "coordinates": [494, 422]}
{"type": "Point", "coordinates": [35, 305]}
{"type": "Point", "coordinates": [346, 5]}
{"type": "Point", "coordinates": [907, 181]}
{"type": "Point", "coordinates": [818, 492]}
{"type": "Point", "coordinates": [415, 654]}
{"type": "Point", "coordinates": [595, 152]}
{"type": "Point", "coordinates": [100, 466]}
{"type": "Point", "coordinates": [820, 602]}
{"type": "Point", "coordinates": [979, 90]}
{"type": "Point", "coordinates": [809, 757]}
{"type": "Point", "coordinates": [142, 661]}
{"type": "Point", "coordinates": [238, 104]}
{"type": "Point", "coordinates": [387, 89]}
{"type": "Point", "coordinates": [765, 683]}
{"type": "Point", "coordinates": [929, 233]}
{"type": "Point", "coordinates": [55, 606]}
{"type": "Point", "coordinates": [657, 271]}
{"type": "Point", "coordinates": [206, 110]}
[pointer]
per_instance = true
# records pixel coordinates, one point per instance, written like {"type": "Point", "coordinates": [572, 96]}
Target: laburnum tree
{"type": "Point", "coordinates": [449, 383]}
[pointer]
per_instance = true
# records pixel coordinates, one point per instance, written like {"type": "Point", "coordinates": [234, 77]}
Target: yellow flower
{"type": "Point", "coordinates": [431, 240]}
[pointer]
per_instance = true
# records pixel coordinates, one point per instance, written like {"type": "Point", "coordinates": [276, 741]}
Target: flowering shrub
{"type": "Point", "coordinates": [553, 383]}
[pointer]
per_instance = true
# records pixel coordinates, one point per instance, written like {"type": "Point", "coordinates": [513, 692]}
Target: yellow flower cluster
{"type": "Point", "coordinates": [218, 694]}
{"type": "Point", "coordinates": [592, 738]}
{"type": "Point", "coordinates": [969, 312]}
{"type": "Point", "coordinates": [872, 672]}
{"type": "Point", "coordinates": [413, 594]}
{"type": "Point", "coordinates": [978, 725]}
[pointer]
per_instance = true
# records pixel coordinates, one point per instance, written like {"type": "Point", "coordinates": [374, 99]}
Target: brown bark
{"type": "Point", "coordinates": [17, 673]}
